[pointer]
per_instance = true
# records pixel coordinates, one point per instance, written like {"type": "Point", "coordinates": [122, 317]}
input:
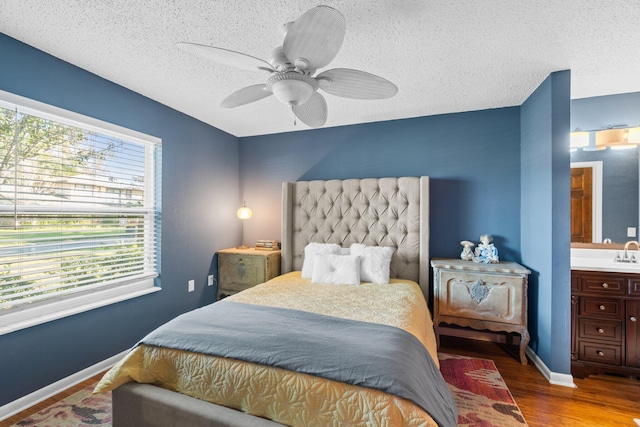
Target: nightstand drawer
{"type": "Point", "coordinates": [489, 297]}
{"type": "Point", "coordinates": [601, 353]}
{"type": "Point", "coordinates": [599, 329]}
{"type": "Point", "coordinates": [601, 307]}
{"type": "Point", "coordinates": [241, 272]}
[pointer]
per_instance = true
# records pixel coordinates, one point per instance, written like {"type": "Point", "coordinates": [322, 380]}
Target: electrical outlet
{"type": "Point", "coordinates": [192, 285]}
{"type": "Point", "coordinates": [210, 280]}
{"type": "Point", "coordinates": [631, 232]}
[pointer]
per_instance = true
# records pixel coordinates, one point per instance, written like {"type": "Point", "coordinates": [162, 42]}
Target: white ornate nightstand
{"type": "Point", "coordinates": [481, 296]}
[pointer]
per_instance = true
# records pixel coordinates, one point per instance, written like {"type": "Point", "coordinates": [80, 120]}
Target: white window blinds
{"type": "Point", "coordinates": [78, 207]}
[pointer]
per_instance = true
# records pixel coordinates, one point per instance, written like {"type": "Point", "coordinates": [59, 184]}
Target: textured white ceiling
{"type": "Point", "coordinates": [444, 55]}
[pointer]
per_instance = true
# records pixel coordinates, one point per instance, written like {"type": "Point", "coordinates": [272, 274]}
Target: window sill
{"type": "Point", "coordinates": [54, 310]}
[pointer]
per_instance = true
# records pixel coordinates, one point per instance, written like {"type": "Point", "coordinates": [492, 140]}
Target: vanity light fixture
{"type": "Point", "coordinates": [614, 137]}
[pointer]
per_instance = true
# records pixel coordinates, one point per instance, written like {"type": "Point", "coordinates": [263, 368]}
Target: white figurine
{"type": "Point", "coordinates": [486, 252]}
{"type": "Point", "coordinates": [466, 254]}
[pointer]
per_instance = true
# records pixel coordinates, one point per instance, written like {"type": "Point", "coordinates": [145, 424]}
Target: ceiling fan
{"type": "Point", "coordinates": [310, 43]}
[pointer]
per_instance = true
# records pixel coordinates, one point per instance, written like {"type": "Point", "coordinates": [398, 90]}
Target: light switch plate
{"type": "Point", "coordinates": [631, 232]}
{"type": "Point", "coordinates": [192, 285]}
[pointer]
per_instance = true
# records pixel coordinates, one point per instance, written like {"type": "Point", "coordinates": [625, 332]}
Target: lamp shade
{"type": "Point", "coordinates": [633, 135]}
{"type": "Point", "coordinates": [244, 212]}
{"type": "Point", "coordinates": [579, 139]}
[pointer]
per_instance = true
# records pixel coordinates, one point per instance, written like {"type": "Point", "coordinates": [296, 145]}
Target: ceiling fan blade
{"type": "Point", "coordinates": [313, 112]}
{"type": "Point", "coordinates": [226, 57]}
{"type": "Point", "coordinates": [315, 38]}
{"type": "Point", "coordinates": [246, 95]}
{"type": "Point", "coordinates": [355, 84]}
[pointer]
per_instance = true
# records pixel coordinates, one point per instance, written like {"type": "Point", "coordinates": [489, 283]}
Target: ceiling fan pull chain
{"type": "Point", "coordinates": [295, 123]}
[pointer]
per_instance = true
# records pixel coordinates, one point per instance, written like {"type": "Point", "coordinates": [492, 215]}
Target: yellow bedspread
{"type": "Point", "coordinates": [287, 397]}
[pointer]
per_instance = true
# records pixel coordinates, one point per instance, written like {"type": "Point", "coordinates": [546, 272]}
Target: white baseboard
{"type": "Point", "coordinates": [554, 378]}
{"type": "Point", "coordinates": [44, 393]}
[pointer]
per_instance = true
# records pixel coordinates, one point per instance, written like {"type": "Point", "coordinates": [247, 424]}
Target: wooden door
{"type": "Point", "coordinates": [581, 205]}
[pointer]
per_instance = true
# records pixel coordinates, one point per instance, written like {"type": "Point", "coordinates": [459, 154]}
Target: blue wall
{"type": "Point", "coordinates": [200, 188]}
{"type": "Point", "coordinates": [473, 160]}
{"type": "Point", "coordinates": [545, 218]}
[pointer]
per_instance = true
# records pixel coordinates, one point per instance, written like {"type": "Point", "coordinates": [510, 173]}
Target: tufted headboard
{"type": "Point", "coordinates": [378, 212]}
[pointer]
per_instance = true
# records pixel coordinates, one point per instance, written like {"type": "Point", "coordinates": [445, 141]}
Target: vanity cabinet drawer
{"type": "Point", "coordinates": [600, 353]}
{"type": "Point", "coordinates": [599, 329]}
{"type": "Point", "coordinates": [634, 287]}
{"type": "Point", "coordinates": [601, 307]}
{"type": "Point", "coordinates": [603, 284]}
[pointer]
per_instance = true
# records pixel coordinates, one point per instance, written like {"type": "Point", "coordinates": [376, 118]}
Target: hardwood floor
{"type": "Point", "coordinates": [599, 401]}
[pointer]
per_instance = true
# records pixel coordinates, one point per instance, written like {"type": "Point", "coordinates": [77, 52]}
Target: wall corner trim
{"type": "Point", "coordinates": [44, 393]}
{"type": "Point", "coordinates": [555, 378]}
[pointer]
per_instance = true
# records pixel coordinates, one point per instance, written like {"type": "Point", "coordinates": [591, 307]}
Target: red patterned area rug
{"type": "Point", "coordinates": [482, 397]}
{"type": "Point", "coordinates": [82, 409]}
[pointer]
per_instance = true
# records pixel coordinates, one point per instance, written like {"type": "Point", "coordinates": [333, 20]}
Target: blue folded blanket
{"type": "Point", "coordinates": [359, 353]}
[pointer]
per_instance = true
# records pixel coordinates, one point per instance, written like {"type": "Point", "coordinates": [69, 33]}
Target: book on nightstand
{"type": "Point", "coordinates": [268, 245]}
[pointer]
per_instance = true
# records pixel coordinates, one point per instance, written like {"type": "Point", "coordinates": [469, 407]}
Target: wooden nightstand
{"type": "Point", "coordinates": [481, 296]}
{"type": "Point", "coordinates": [240, 269]}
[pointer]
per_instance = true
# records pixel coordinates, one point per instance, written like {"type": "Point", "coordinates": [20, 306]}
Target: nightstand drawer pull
{"type": "Point", "coordinates": [605, 285]}
{"type": "Point", "coordinates": [602, 307]}
{"type": "Point", "coordinates": [600, 331]}
{"type": "Point", "coordinates": [632, 318]}
{"type": "Point", "coordinates": [600, 353]}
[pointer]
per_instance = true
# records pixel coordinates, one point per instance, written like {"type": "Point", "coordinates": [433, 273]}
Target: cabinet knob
{"type": "Point", "coordinates": [632, 318]}
{"type": "Point", "coordinates": [602, 307]}
{"type": "Point", "coordinates": [600, 331]}
{"type": "Point", "coordinates": [605, 285]}
{"type": "Point", "coordinates": [600, 353]}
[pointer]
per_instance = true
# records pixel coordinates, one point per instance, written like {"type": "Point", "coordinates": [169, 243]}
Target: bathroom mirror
{"type": "Point", "coordinates": [605, 205]}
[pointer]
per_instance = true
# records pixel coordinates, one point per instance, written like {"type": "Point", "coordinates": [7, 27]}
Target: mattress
{"type": "Point", "coordinates": [281, 395]}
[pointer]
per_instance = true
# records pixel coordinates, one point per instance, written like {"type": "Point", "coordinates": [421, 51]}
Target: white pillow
{"type": "Point", "coordinates": [336, 269]}
{"type": "Point", "coordinates": [375, 262]}
{"type": "Point", "coordinates": [313, 249]}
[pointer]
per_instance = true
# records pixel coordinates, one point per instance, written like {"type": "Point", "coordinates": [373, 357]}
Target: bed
{"type": "Point", "coordinates": [305, 348]}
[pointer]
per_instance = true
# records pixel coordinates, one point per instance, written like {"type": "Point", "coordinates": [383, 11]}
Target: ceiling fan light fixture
{"type": "Point", "coordinates": [292, 88]}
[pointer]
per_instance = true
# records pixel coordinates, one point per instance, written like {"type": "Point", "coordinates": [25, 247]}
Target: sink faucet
{"type": "Point", "coordinates": [631, 242]}
{"type": "Point", "coordinates": [626, 257]}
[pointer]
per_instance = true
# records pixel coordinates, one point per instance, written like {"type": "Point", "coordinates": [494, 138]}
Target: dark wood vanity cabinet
{"type": "Point", "coordinates": [605, 337]}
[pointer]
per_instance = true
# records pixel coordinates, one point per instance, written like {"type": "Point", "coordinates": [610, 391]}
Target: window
{"type": "Point", "coordinates": [79, 213]}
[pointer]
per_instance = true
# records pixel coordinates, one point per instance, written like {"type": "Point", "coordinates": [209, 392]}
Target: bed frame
{"type": "Point", "coordinates": [380, 212]}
